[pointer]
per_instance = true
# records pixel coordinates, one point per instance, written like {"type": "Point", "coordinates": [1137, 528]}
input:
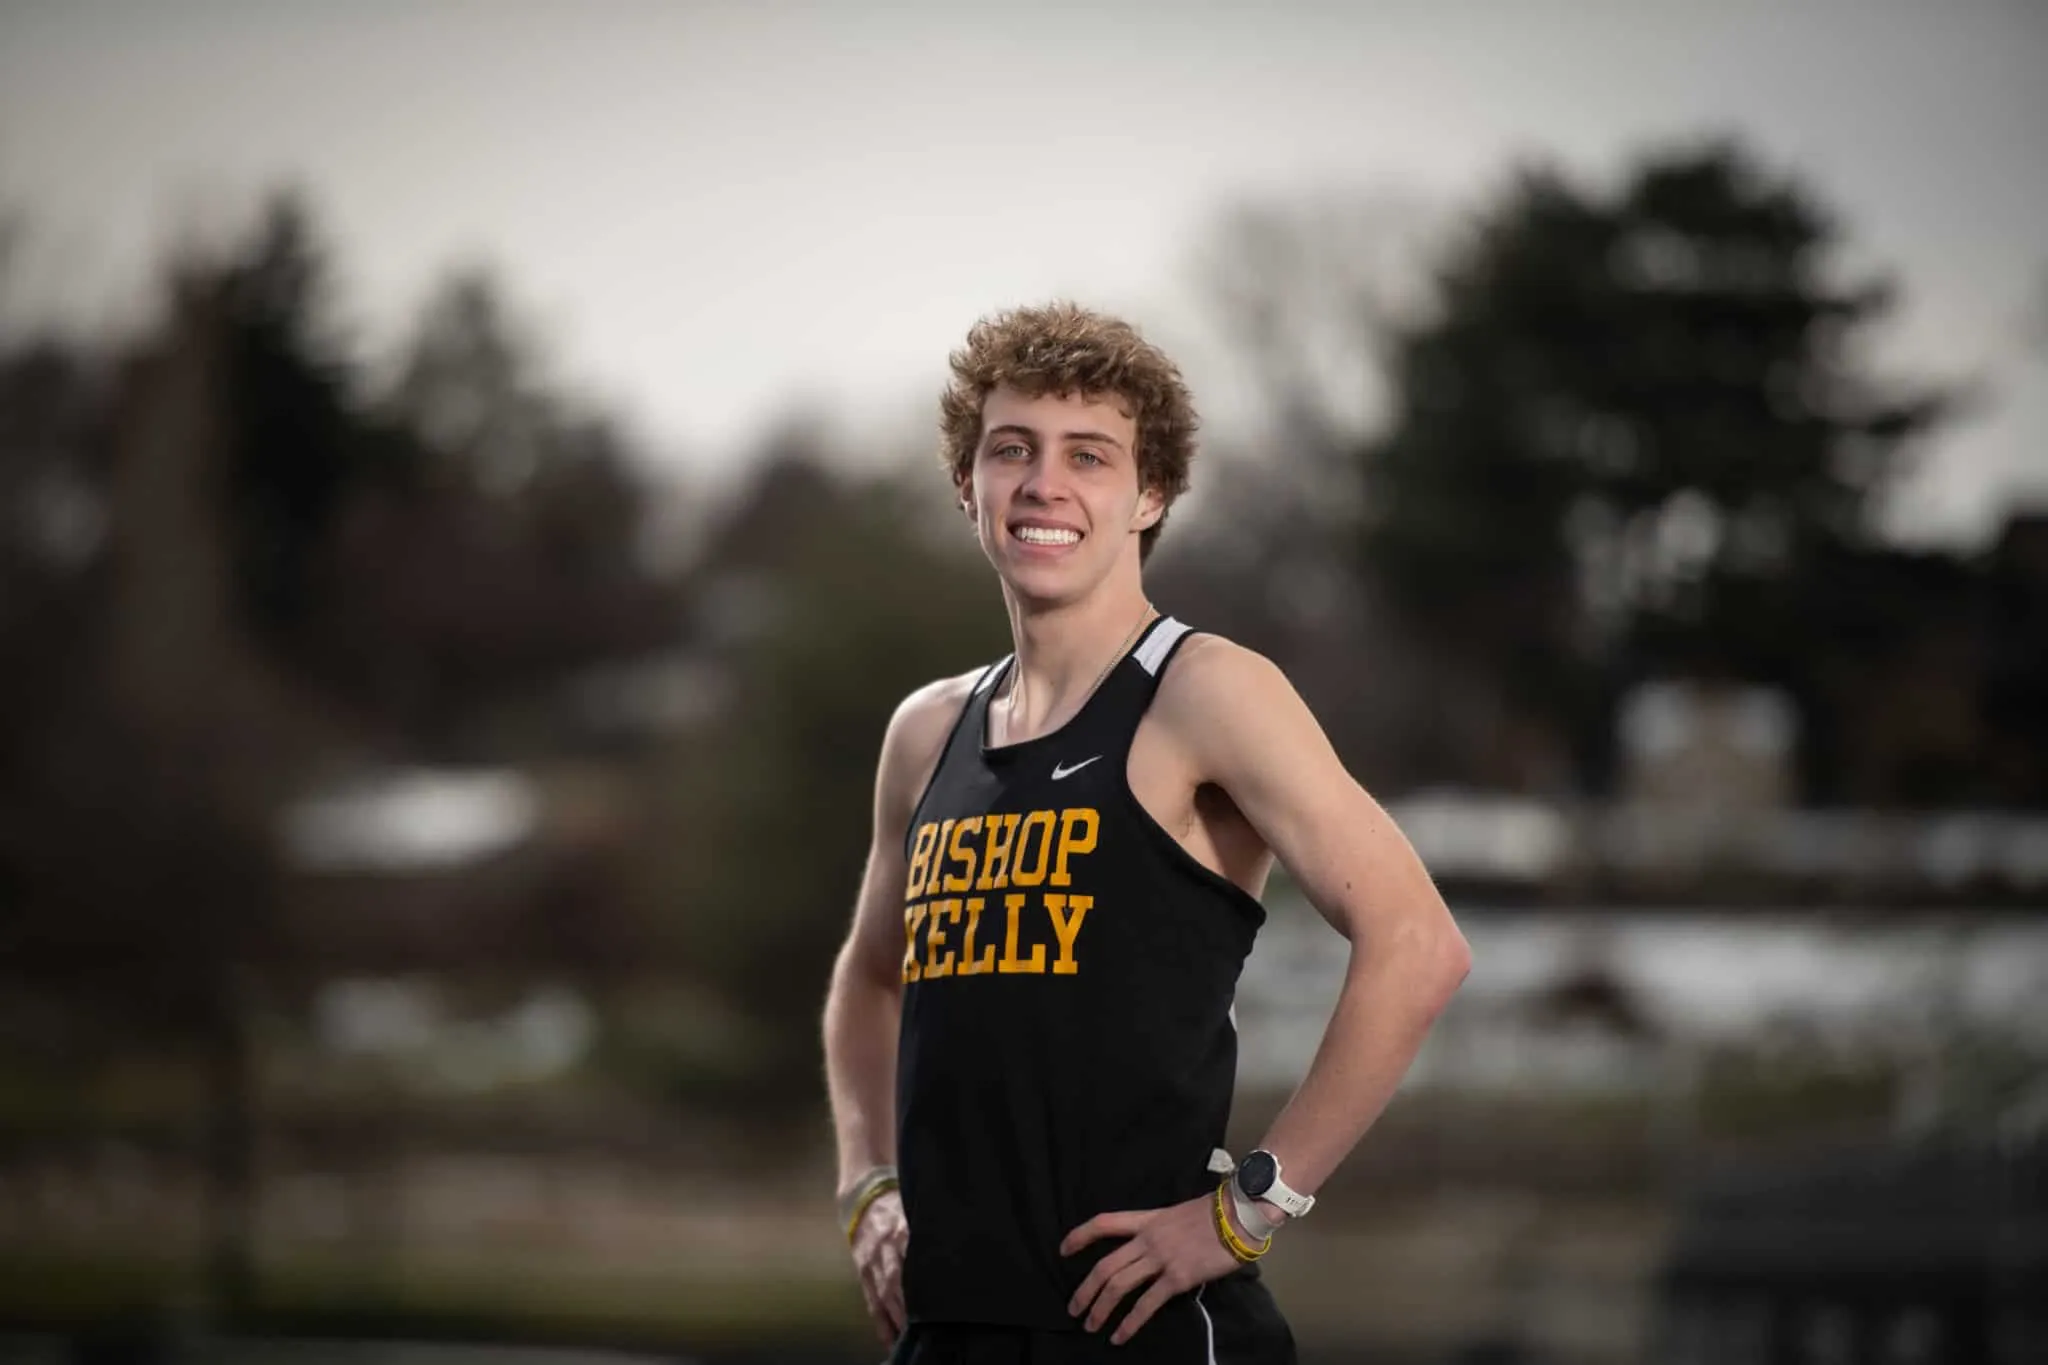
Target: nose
{"type": "Point", "coordinates": [1043, 483]}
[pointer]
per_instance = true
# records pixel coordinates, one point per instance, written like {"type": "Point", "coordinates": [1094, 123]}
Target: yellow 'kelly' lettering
{"type": "Point", "coordinates": [913, 915]}
{"type": "Point", "coordinates": [1040, 820]}
{"type": "Point", "coordinates": [962, 881]}
{"type": "Point", "coordinates": [921, 861]}
{"type": "Point", "coordinates": [1067, 913]}
{"type": "Point", "coordinates": [1011, 963]}
{"type": "Point", "coordinates": [1072, 843]}
{"type": "Point", "coordinates": [969, 966]}
{"type": "Point", "coordinates": [935, 939]}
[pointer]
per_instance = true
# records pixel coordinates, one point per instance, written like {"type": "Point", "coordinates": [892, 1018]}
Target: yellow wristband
{"type": "Point", "coordinates": [875, 1190]}
{"type": "Point", "coordinates": [1235, 1245]}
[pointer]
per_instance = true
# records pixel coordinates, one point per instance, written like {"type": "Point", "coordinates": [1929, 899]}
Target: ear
{"type": "Point", "coordinates": [1151, 507]}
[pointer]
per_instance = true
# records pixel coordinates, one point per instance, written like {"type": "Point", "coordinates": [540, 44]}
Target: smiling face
{"type": "Point", "coordinates": [1054, 493]}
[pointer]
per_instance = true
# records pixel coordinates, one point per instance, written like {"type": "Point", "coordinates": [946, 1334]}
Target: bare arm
{"type": "Point", "coordinates": [1250, 733]}
{"type": "Point", "coordinates": [1240, 726]}
{"type": "Point", "coordinates": [862, 1006]}
{"type": "Point", "coordinates": [865, 1000]}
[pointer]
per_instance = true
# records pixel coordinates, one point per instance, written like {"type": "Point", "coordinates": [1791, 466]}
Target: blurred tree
{"type": "Point", "coordinates": [2015, 770]}
{"type": "Point", "coordinates": [1304, 294]}
{"type": "Point", "coordinates": [496, 545]}
{"type": "Point", "coordinates": [295, 442]}
{"type": "Point", "coordinates": [829, 600]}
{"type": "Point", "coordinates": [149, 749]}
{"type": "Point", "coordinates": [2036, 324]}
{"type": "Point", "coordinates": [1301, 296]}
{"type": "Point", "coordinates": [181, 529]}
{"type": "Point", "coordinates": [1628, 431]}
{"type": "Point", "coordinates": [469, 385]}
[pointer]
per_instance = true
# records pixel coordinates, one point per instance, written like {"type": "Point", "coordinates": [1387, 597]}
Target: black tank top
{"type": "Point", "coordinates": [1067, 1044]}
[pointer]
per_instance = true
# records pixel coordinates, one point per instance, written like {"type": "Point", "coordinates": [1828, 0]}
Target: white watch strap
{"type": "Point", "coordinates": [1288, 1200]}
{"type": "Point", "coordinates": [1293, 1203]}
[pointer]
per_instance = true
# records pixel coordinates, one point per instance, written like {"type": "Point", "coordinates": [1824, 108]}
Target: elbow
{"type": "Point", "coordinates": [1426, 959]}
{"type": "Point", "coordinates": [1453, 962]}
{"type": "Point", "coordinates": [859, 973]}
{"type": "Point", "coordinates": [1441, 962]}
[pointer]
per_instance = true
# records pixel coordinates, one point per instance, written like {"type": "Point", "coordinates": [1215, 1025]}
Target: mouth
{"type": "Point", "coordinates": [1044, 535]}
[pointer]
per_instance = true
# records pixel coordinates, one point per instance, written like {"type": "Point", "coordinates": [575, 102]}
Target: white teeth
{"type": "Point", "coordinates": [1041, 535]}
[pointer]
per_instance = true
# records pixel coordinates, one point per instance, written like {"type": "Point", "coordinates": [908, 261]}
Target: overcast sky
{"type": "Point", "coordinates": [716, 208]}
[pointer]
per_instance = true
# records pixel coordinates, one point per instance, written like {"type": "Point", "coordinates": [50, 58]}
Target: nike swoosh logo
{"type": "Point", "coordinates": [1059, 772]}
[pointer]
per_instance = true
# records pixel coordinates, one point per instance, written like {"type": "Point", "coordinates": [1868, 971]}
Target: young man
{"type": "Point", "coordinates": [1031, 1016]}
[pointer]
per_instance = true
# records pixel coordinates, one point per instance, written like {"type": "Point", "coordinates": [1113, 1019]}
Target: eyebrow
{"type": "Point", "coordinates": [1098, 437]}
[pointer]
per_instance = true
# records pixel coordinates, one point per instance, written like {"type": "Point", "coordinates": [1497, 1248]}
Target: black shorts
{"type": "Point", "coordinates": [1231, 1321]}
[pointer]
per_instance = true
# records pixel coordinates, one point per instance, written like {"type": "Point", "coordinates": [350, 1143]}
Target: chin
{"type": "Point", "coordinates": [1047, 586]}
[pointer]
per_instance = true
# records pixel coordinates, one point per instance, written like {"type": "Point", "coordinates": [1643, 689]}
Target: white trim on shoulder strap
{"type": "Point", "coordinates": [989, 675]}
{"type": "Point", "coordinates": [1153, 652]}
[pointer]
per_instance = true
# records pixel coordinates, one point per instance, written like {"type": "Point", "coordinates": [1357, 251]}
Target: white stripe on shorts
{"type": "Point", "coordinates": [1208, 1326]}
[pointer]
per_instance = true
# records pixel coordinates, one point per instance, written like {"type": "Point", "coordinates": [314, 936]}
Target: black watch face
{"type": "Point", "coordinates": [1256, 1173]}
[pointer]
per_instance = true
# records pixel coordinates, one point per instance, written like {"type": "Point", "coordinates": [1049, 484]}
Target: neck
{"type": "Point", "coordinates": [1062, 650]}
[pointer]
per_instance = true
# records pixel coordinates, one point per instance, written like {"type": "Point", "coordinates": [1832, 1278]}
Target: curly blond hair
{"type": "Point", "coordinates": [1063, 348]}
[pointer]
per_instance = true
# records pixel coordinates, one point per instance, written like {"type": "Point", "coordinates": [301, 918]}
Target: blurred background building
{"type": "Point", "coordinates": [466, 490]}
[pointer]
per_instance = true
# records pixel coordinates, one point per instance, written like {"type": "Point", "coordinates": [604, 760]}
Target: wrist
{"type": "Point", "coordinates": [1274, 1215]}
{"type": "Point", "coordinates": [1258, 1182]}
{"type": "Point", "coordinates": [1224, 1208]}
{"type": "Point", "coordinates": [855, 1199]}
{"type": "Point", "coordinates": [1250, 1219]}
{"type": "Point", "coordinates": [849, 1185]}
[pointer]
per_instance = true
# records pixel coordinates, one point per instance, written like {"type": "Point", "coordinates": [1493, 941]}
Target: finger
{"type": "Point", "coordinates": [877, 1308]}
{"type": "Point", "coordinates": [1150, 1302]}
{"type": "Point", "coordinates": [899, 1317]}
{"type": "Point", "coordinates": [1100, 1226]}
{"type": "Point", "coordinates": [876, 1313]}
{"type": "Point", "coordinates": [1099, 1276]}
{"type": "Point", "coordinates": [1120, 1284]}
{"type": "Point", "coordinates": [892, 1299]}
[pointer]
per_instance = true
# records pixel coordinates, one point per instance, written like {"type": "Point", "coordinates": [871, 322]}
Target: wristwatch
{"type": "Point", "coordinates": [1258, 1177]}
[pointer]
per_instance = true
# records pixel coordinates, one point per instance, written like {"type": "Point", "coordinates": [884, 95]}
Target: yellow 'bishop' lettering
{"type": "Point", "coordinates": [998, 831]}
{"type": "Point", "coordinates": [921, 860]}
{"type": "Point", "coordinates": [932, 879]}
{"type": "Point", "coordinates": [1072, 843]}
{"type": "Point", "coordinates": [1040, 820]}
{"type": "Point", "coordinates": [962, 881]}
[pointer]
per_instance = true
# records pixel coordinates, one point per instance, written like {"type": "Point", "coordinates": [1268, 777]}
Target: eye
{"type": "Point", "coordinates": [1088, 457]}
{"type": "Point", "coordinates": [1010, 450]}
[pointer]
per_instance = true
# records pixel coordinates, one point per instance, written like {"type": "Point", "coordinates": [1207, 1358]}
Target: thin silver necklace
{"type": "Point", "coordinates": [1017, 685]}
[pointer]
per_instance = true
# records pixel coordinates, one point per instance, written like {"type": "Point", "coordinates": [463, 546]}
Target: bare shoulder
{"type": "Point", "coordinates": [1238, 720]}
{"type": "Point", "coordinates": [917, 732]}
{"type": "Point", "coordinates": [1212, 678]}
{"type": "Point", "coordinates": [924, 717]}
